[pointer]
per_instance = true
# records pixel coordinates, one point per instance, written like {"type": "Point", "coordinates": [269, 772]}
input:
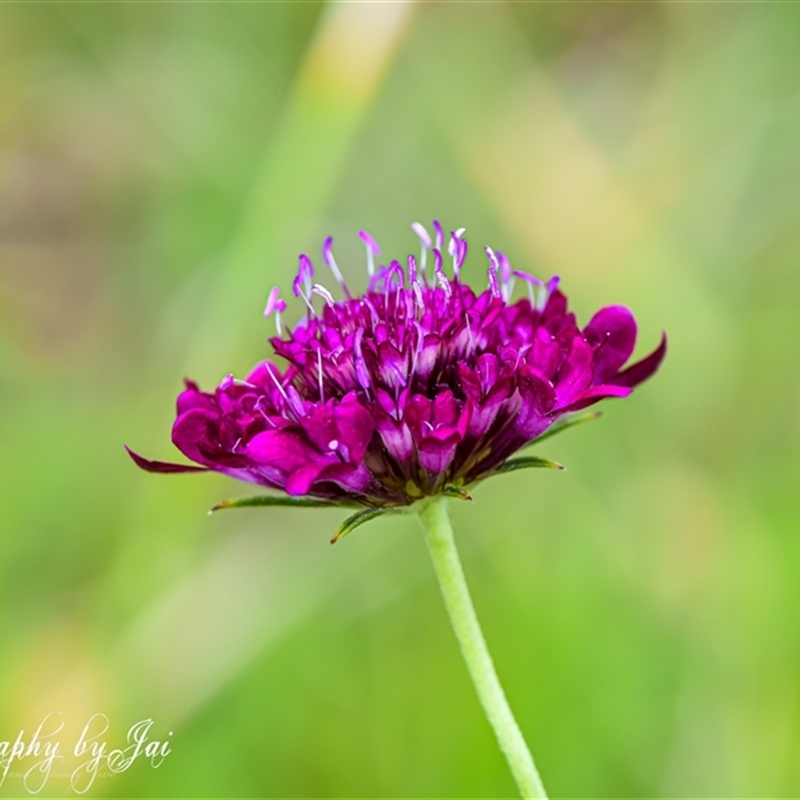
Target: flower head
{"type": "Point", "coordinates": [417, 387]}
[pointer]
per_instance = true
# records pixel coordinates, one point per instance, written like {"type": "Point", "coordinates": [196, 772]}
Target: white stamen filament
{"type": "Point", "coordinates": [418, 296]}
{"type": "Point", "coordinates": [319, 372]}
{"type": "Point", "coordinates": [323, 293]}
{"type": "Point", "coordinates": [376, 320]}
{"type": "Point", "coordinates": [262, 412]}
{"type": "Point", "coordinates": [469, 331]}
{"type": "Point", "coordinates": [277, 383]}
{"type": "Point", "coordinates": [444, 283]}
{"type": "Point", "coordinates": [307, 300]}
{"type": "Point", "coordinates": [334, 268]}
{"type": "Point", "coordinates": [452, 251]}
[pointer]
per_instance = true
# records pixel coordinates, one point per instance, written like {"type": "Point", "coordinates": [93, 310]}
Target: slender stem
{"type": "Point", "coordinates": [442, 546]}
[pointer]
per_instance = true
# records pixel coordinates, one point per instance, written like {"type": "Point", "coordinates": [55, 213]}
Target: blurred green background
{"type": "Point", "coordinates": [162, 165]}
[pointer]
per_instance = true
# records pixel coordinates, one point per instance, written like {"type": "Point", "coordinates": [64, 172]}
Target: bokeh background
{"type": "Point", "coordinates": [162, 165]}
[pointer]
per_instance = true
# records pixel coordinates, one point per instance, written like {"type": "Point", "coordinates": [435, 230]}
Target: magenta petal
{"type": "Point", "coordinates": [545, 354]}
{"type": "Point", "coordinates": [299, 482]}
{"type": "Point", "coordinates": [538, 398]}
{"type": "Point", "coordinates": [575, 375]}
{"type": "Point", "coordinates": [394, 366]}
{"type": "Point", "coordinates": [470, 383]}
{"type": "Point", "coordinates": [436, 454]}
{"type": "Point", "coordinates": [555, 309]}
{"type": "Point", "coordinates": [397, 439]}
{"type": "Point", "coordinates": [593, 395]}
{"type": "Point", "coordinates": [283, 449]}
{"type": "Point", "coordinates": [264, 375]}
{"type": "Point", "coordinates": [416, 413]}
{"type": "Point", "coordinates": [196, 433]}
{"type": "Point", "coordinates": [445, 409]}
{"type": "Point", "coordinates": [537, 392]}
{"type": "Point", "coordinates": [612, 330]}
{"type": "Point", "coordinates": [482, 416]}
{"type": "Point", "coordinates": [464, 419]}
{"type": "Point", "coordinates": [348, 477]}
{"type": "Point", "coordinates": [355, 426]}
{"type": "Point", "coordinates": [161, 466]}
{"type": "Point", "coordinates": [192, 397]}
{"type": "Point", "coordinates": [487, 367]}
{"type": "Point", "coordinates": [319, 425]}
{"type": "Point", "coordinates": [642, 370]}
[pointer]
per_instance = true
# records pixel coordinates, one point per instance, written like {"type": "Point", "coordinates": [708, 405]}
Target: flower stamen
{"type": "Point", "coordinates": [439, 235]}
{"type": "Point", "coordinates": [301, 285]}
{"type": "Point", "coordinates": [275, 305]}
{"type": "Point", "coordinates": [362, 374]}
{"type": "Point", "coordinates": [330, 262]}
{"type": "Point", "coordinates": [275, 380]}
{"type": "Point", "coordinates": [439, 275]}
{"type": "Point", "coordinates": [530, 281]}
{"type": "Point", "coordinates": [425, 244]}
{"type": "Point", "coordinates": [506, 276]}
{"type": "Point", "coordinates": [321, 376]}
{"type": "Point", "coordinates": [323, 293]}
{"type": "Point", "coordinates": [373, 250]}
{"type": "Point", "coordinates": [494, 268]}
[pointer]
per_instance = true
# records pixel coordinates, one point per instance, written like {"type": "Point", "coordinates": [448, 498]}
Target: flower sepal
{"type": "Point", "coordinates": [360, 517]}
{"type": "Point", "coordinates": [567, 422]}
{"type": "Point", "coordinates": [368, 514]}
{"type": "Point", "coordinates": [281, 500]}
{"type": "Point", "coordinates": [526, 462]}
{"type": "Point", "coordinates": [456, 492]}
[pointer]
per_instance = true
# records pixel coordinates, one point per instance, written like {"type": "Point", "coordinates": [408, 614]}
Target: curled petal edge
{"type": "Point", "coordinates": [642, 370]}
{"type": "Point", "coordinates": [595, 395]}
{"type": "Point", "coordinates": [161, 466]}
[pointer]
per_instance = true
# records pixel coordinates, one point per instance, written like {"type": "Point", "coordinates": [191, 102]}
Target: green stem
{"type": "Point", "coordinates": [442, 546]}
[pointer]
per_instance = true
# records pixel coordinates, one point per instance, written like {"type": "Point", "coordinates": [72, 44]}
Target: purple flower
{"type": "Point", "coordinates": [420, 386]}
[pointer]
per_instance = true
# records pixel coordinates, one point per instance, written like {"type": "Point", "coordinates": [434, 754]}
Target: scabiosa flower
{"type": "Point", "coordinates": [405, 395]}
{"type": "Point", "coordinates": [419, 386]}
